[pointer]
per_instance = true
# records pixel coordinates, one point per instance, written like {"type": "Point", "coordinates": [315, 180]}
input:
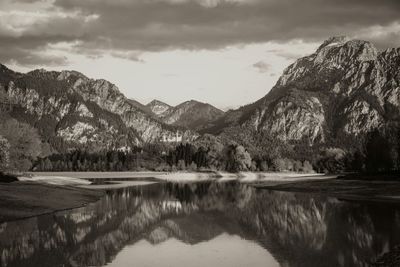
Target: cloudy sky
{"type": "Point", "coordinates": [225, 52]}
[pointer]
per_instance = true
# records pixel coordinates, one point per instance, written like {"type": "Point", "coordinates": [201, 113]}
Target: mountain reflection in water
{"type": "Point", "coordinates": [204, 224]}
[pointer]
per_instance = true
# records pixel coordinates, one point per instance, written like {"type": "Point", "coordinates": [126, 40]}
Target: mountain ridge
{"type": "Point", "coordinates": [74, 109]}
{"type": "Point", "coordinates": [345, 87]}
{"type": "Point", "coordinates": [191, 114]}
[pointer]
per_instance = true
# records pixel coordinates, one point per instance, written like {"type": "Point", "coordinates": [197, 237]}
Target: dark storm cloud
{"type": "Point", "coordinates": [153, 25]}
{"type": "Point", "coordinates": [29, 50]}
{"type": "Point", "coordinates": [31, 58]}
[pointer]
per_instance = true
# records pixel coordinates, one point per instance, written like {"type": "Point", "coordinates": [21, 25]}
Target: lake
{"type": "Point", "coordinates": [205, 224]}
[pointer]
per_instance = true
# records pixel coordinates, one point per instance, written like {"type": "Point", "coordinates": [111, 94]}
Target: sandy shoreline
{"type": "Point", "coordinates": [98, 175]}
{"type": "Point", "coordinates": [74, 177]}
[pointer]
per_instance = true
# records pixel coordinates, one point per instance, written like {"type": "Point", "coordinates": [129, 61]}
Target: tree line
{"type": "Point", "coordinates": [235, 149]}
{"type": "Point", "coordinates": [206, 153]}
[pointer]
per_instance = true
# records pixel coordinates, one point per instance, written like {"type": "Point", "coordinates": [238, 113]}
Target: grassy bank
{"type": "Point", "coordinates": [26, 199]}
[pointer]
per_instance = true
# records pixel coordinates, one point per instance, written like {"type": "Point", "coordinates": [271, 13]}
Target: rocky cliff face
{"type": "Point", "coordinates": [158, 107]}
{"type": "Point", "coordinates": [191, 114]}
{"type": "Point", "coordinates": [80, 111]}
{"type": "Point", "coordinates": [345, 87]}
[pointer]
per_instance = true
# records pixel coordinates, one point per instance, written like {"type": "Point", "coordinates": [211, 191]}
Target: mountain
{"type": "Point", "coordinates": [347, 87]}
{"type": "Point", "coordinates": [140, 106]}
{"type": "Point", "coordinates": [68, 107]}
{"type": "Point", "coordinates": [158, 107]}
{"type": "Point", "coordinates": [191, 114]}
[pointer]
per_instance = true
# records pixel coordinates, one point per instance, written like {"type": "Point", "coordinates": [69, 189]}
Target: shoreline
{"type": "Point", "coordinates": [40, 193]}
{"type": "Point", "coordinates": [49, 192]}
{"type": "Point", "coordinates": [351, 190]}
{"type": "Point", "coordinates": [21, 200]}
{"type": "Point", "coordinates": [179, 176]}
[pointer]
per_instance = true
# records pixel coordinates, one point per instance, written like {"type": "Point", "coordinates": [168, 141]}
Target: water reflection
{"type": "Point", "coordinates": [224, 224]}
{"type": "Point", "coordinates": [222, 250]}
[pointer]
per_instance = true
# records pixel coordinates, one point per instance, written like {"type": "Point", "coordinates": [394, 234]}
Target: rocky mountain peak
{"type": "Point", "coordinates": [156, 102]}
{"type": "Point", "coordinates": [346, 87]}
{"type": "Point", "coordinates": [190, 103]}
{"type": "Point", "coordinates": [341, 51]}
{"type": "Point", "coordinates": [43, 74]}
{"type": "Point", "coordinates": [334, 58]}
{"type": "Point", "coordinates": [333, 41]}
{"type": "Point", "coordinates": [41, 70]}
{"type": "Point", "coordinates": [65, 74]}
{"type": "Point", "coordinates": [158, 107]}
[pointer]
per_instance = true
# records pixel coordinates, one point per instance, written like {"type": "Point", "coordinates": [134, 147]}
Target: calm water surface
{"type": "Point", "coordinates": [205, 224]}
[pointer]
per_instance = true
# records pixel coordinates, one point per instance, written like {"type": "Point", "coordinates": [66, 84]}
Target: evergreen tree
{"type": "Point", "coordinates": [4, 154]}
{"type": "Point", "coordinates": [377, 152]}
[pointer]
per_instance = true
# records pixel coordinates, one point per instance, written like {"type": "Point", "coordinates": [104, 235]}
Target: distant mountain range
{"type": "Point", "coordinates": [190, 114]}
{"type": "Point", "coordinates": [346, 87]}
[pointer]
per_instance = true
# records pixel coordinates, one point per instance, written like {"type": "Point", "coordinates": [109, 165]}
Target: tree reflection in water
{"type": "Point", "coordinates": [297, 229]}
